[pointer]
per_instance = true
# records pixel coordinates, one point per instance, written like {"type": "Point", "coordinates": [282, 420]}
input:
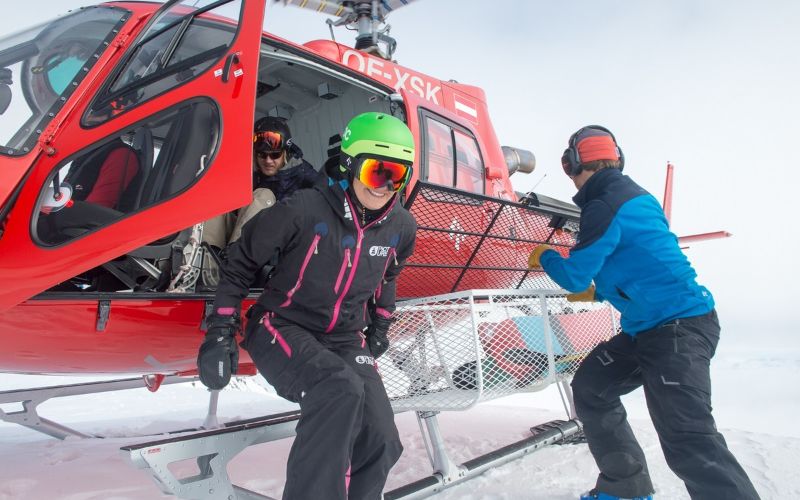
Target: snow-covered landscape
{"type": "Point", "coordinates": [755, 404]}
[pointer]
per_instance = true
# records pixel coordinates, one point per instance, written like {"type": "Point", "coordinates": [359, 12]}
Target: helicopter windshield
{"type": "Point", "coordinates": [181, 43]}
{"type": "Point", "coordinates": [40, 67]}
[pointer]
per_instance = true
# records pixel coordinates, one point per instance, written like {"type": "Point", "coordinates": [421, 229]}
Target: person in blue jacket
{"type": "Point", "coordinates": [669, 332]}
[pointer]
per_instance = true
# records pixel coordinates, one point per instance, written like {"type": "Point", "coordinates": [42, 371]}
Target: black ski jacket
{"type": "Point", "coordinates": [297, 174]}
{"type": "Point", "coordinates": [328, 266]}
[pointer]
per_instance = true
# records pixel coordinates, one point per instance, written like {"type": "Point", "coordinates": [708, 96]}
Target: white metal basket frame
{"type": "Point", "coordinates": [452, 351]}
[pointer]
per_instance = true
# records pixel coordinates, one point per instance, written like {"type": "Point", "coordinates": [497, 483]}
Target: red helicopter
{"type": "Point", "coordinates": [90, 287]}
{"type": "Point", "coordinates": [86, 287]}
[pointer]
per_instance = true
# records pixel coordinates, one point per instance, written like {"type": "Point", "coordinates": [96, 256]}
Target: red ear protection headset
{"type": "Point", "coordinates": [571, 159]}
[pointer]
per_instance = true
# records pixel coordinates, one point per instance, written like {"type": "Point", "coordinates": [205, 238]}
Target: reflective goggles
{"type": "Point", "coordinates": [273, 140]}
{"type": "Point", "coordinates": [375, 172]}
{"type": "Point", "coordinates": [275, 155]}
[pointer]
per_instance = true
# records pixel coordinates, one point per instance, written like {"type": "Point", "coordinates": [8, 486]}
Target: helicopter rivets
{"type": "Point", "coordinates": [51, 115]}
{"type": "Point", "coordinates": [63, 99]}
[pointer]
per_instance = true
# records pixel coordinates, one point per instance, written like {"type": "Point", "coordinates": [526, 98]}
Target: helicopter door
{"type": "Point", "coordinates": [149, 156]}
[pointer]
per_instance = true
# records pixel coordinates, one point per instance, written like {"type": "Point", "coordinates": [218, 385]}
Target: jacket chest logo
{"type": "Point", "coordinates": [378, 251]}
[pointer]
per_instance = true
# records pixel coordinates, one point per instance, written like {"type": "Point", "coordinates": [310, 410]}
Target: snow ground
{"type": "Point", "coordinates": [756, 401]}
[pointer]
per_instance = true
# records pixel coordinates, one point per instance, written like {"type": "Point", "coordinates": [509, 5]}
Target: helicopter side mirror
{"type": "Point", "coordinates": [5, 89]}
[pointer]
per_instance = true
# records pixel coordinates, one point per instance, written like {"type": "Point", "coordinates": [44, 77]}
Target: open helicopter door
{"type": "Point", "coordinates": [155, 145]}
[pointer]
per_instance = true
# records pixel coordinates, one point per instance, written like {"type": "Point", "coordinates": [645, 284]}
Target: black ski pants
{"type": "Point", "coordinates": [672, 363]}
{"type": "Point", "coordinates": [346, 440]}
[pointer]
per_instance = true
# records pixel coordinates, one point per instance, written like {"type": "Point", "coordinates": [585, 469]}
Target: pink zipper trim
{"type": "Point", "coordinates": [310, 252]}
{"type": "Point", "coordinates": [348, 282]}
{"type": "Point", "coordinates": [360, 233]}
{"type": "Point", "coordinates": [345, 265]}
{"type": "Point", "coordinates": [276, 335]}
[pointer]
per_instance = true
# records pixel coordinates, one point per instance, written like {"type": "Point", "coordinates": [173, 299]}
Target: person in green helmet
{"type": "Point", "coordinates": [316, 331]}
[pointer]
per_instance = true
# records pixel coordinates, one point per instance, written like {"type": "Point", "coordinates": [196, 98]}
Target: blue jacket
{"type": "Point", "coordinates": [625, 246]}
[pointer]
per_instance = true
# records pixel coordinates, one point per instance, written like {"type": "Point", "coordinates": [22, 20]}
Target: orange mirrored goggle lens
{"type": "Point", "coordinates": [375, 173]}
{"type": "Point", "coordinates": [273, 140]}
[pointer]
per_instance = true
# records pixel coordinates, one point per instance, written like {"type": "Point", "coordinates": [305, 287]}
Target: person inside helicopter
{"type": "Point", "coordinates": [278, 171]}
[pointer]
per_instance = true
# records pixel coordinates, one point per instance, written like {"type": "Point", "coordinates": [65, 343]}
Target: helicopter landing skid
{"type": "Point", "coordinates": [212, 451]}
{"type": "Point", "coordinates": [30, 399]}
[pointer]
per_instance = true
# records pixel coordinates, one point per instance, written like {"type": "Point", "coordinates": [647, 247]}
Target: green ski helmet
{"type": "Point", "coordinates": [376, 135]}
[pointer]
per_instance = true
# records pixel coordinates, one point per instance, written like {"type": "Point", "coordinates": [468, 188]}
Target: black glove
{"type": "Point", "coordinates": [219, 354]}
{"type": "Point", "coordinates": [377, 339]}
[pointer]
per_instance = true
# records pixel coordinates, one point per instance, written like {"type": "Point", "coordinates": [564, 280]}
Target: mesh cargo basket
{"type": "Point", "coordinates": [449, 352]}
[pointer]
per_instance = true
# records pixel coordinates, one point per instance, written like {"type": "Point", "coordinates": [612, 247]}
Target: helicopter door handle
{"type": "Point", "coordinates": [232, 59]}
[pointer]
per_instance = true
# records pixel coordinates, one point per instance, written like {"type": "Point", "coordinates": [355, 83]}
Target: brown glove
{"type": "Point", "coordinates": [533, 259]}
{"type": "Point", "coordinates": [584, 296]}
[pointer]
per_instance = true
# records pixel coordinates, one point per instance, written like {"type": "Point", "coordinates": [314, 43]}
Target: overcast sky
{"type": "Point", "coordinates": [711, 85]}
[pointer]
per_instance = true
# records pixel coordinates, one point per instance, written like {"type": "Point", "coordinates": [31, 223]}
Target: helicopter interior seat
{"type": "Point", "coordinates": [91, 210]}
{"type": "Point", "coordinates": [142, 144]}
{"type": "Point", "coordinates": [180, 161]}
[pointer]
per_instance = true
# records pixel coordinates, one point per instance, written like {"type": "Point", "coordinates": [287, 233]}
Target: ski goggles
{"type": "Point", "coordinates": [268, 139]}
{"type": "Point", "coordinates": [275, 155]}
{"type": "Point", "coordinates": [375, 172]}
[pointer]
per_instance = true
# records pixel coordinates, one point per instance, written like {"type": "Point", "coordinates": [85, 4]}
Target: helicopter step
{"type": "Point", "coordinates": [30, 399]}
{"type": "Point", "coordinates": [212, 449]}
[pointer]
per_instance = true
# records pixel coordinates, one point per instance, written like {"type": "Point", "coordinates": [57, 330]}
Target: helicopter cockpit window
{"type": "Point", "coordinates": [438, 153]}
{"type": "Point", "coordinates": [180, 44]}
{"type": "Point", "coordinates": [144, 165]}
{"type": "Point", "coordinates": [469, 166]}
{"type": "Point", "coordinates": [40, 67]}
{"type": "Point", "coordinates": [451, 156]}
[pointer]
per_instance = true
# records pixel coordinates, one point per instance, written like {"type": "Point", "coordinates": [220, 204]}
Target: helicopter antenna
{"type": "Point", "coordinates": [537, 184]}
{"type": "Point", "coordinates": [530, 197]}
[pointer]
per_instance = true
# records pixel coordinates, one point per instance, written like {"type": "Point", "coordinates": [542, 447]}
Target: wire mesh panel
{"type": "Point", "coordinates": [452, 351]}
{"type": "Point", "coordinates": [467, 241]}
